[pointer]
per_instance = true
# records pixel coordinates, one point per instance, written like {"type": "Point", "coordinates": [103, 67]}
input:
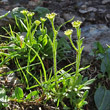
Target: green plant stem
{"type": "Point", "coordinates": [78, 58]}
{"type": "Point", "coordinates": [4, 15]}
{"type": "Point", "coordinates": [55, 52]}
{"type": "Point", "coordinates": [30, 34]}
{"type": "Point", "coordinates": [22, 72]}
{"type": "Point", "coordinates": [78, 54]}
{"type": "Point", "coordinates": [43, 67]}
{"type": "Point", "coordinates": [78, 51]}
{"type": "Point", "coordinates": [73, 44]}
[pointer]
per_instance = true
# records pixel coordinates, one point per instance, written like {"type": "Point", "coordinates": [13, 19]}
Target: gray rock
{"type": "Point", "coordinates": [68, 16]}
{"type": "Point", "coordinates": [85, 9]}
{"type": "Point", "coordinates": [18, 1]}
{"type": "Point", "coordinates": [34, 2]}
{"type": "Point", "coordinates": [5, 1]}
{"type": "Point", "coordinates": [105, 2]}
{"type": "Point", "coordinates": [59, 20]}
{"type": "Point", "coordinates": [4, 69]}
{"type": "Point", "coordinates": [11, 78]}
{"type": "Point", "coordinates": [100, 10]}
{"type": "Point", "coordinates": [108, 17]}
{"type": "Point", "coordinates": [94, 33]}
{"type": "Point", "coordinates": [91, 16]}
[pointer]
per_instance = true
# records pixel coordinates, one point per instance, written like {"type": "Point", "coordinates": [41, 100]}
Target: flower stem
{"type": "Point", "coordinates": [55, 52]}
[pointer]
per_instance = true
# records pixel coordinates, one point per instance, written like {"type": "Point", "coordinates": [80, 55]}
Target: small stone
{"type": "Point", "coordinates": [68, 16]}
{"type": "Point", "coordinates": [59, 20]}
{"type": "Point", "coordinates": [91, 16]}
{"type": "Point", "coordinates": [34, 2]}
{"type": "Point", "coordinates": [87, 10]}
{"type": "Point", "coordinates": [4, 69]}
{"type": "Point", "coordinates": [88, 3]}
{"type": "Point", "coordinates": [94, 33]}
{"type": "Point", "coordinates": [5, 1]}
{"type": "Point", "coordinates": [108, 16]}
{"type": "Point", "coordinates": [12, 79]}
{"type": "Point", "coordinates": [105, 2]}
{"type": "Point", "coordinates": [100, 10]}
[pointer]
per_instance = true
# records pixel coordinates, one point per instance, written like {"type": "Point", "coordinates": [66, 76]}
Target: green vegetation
{"type": "Point", "coordinates": [102, 95]}
{"type": "Point", "coordinates": [102, 98]}
{"type": "Point", "coordinates": [29, 53]}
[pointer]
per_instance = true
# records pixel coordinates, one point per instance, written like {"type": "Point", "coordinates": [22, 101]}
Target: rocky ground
{"type": "Point", "coordinates": [95, 16]}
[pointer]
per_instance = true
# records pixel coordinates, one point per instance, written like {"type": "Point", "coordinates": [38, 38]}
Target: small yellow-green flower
{"type": "Point", "coordinates": [37, 22]}
{"type": "Point", "coordinates": [68, 32]}
{"type": "Point", "coordinates": [76, 24]}
{"type": "Point", "coordinates": [24, 12]}
{"type": "Point", "coordinates": [30, 14]}
{"type": "Point", "coordinates": [42, 19]}
{"type": "Point", "coordinates": [51, 16]}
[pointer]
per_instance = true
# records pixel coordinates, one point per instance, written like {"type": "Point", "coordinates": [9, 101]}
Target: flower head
{"type": "Point", "coordinates": [30, 14]}
{"type": "Point", "coordinates": [42, 19]}
{"type": "Point", "coordinates": [37, 22]}
{"type": "Point", "coordinates": [76, 24]}
{"type": "Point", "coordinates": [51, 16]}
{"type": "Point", "coordinates": [68, 32]}
{"type": "Point", "coordinates": [24, 12]}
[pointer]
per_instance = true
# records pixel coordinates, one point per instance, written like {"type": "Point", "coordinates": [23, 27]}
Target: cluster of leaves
{"type": "Point", "coordinates": [102, 54]}
{"type": "Point", "coordinates": [102, 95]}
{"type": "Point", "coordinates": [58, 85]}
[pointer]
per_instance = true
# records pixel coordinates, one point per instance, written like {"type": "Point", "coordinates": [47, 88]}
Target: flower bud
{"type": "Point", "coordinates": [51, 16]}
{"type": "Point", "coordinates": [76, 24]}
{"type": "Point", "coordinates": [68, 32]}
{"type": "Point", "coordinates": [24, 12]}
{"type": "Point", "coordinates": [37, 22]}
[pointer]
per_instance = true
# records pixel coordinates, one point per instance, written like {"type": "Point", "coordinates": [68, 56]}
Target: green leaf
{"type": "Point", "coordinates": [11, 56]}
{"type": "Point", "coordinates": [40, 38]}
{"type": "Point", "coordinates": [83, 86]}
{"type": "Point", "coordinates": [89, 82]}
{"type": "Point", "coordinates": [44, 42]}
{"type": "Point", "coordinates": [102, 99]}
{"type": "Point", "coordinates": [83, 102]}
{"type": "Point", "coordinates": [19, 93]}
{"type": "Point", "coordinates": [30, 95]}
{"type": "Point", "coordinates": [108, 46]}
{"type": "Point", "coordinates": [105, 65]}
{"type": "Point", "coordinates": [4, 15]}
{"type": "Point", "coordinates": [100, 47]}
{"type": "Point", "coordinates": [79, 80]}
{"type": "Point", "coordinates": [41, 11]}
{"type": "Point", "coordinates": [3, 96]}
{"type": "Point", "coordinates": [16, 12]}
